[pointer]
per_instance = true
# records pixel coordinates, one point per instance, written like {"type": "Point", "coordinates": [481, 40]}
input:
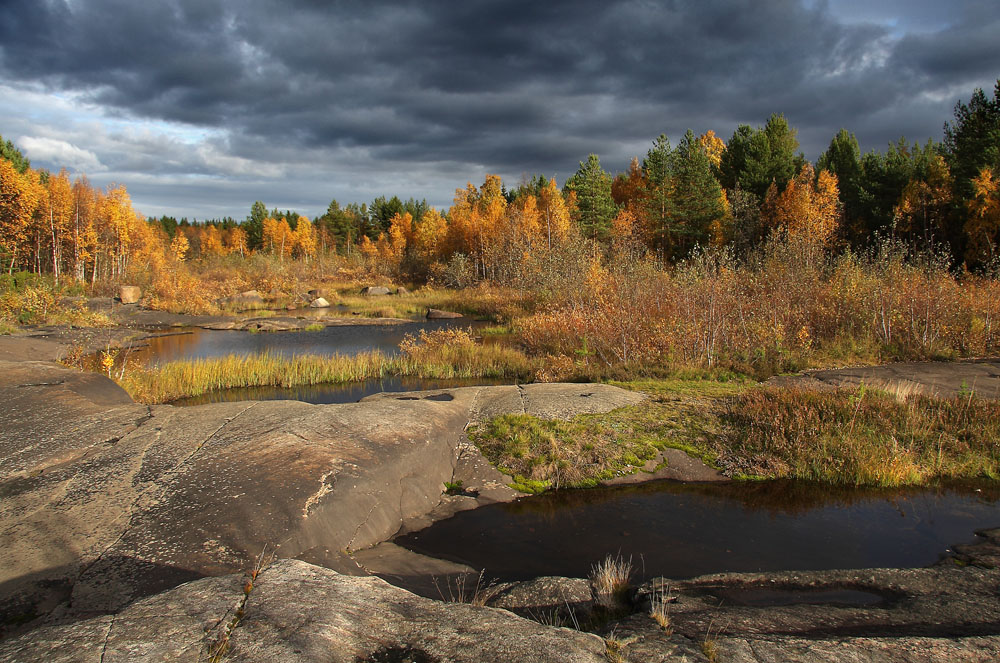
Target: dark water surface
{"type": "Point", "coordinates": [196, 343]}
{"type": "Point", "coordinates": [684, 530]}
{"type": "Point", "coordinates": [319, 394]}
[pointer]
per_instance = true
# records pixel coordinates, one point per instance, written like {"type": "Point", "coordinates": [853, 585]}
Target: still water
{"type": "Point", "coordinates": [196, 343]}
{"type": "Point", "coordinates": [684, 530]}
{"type": "Point", "coordinates": [318, 394]}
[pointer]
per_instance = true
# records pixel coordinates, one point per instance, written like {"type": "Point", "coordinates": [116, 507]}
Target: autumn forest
{"type": "Point", "coordinates": [735, 252]}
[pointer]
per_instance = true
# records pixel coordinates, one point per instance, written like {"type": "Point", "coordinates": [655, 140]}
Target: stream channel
{"type": "Point", "coordinates": [666, 528]}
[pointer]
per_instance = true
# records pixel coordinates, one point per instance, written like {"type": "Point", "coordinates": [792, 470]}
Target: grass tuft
{"type": "Point", "coordinates": [610, 580]}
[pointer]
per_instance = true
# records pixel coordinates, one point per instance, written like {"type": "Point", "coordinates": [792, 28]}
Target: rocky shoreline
{"type": "Point", "coordinates": [128, 531]}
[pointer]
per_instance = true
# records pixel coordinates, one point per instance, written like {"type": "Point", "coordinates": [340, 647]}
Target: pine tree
{"type": "Point", "coordinates": [595, 205]}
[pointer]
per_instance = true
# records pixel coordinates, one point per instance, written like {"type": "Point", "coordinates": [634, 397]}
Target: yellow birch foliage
{"type": "Point", "coordinates": [392, 249]}
{"type": "Point", "coordinates": [305, 238]}
{"type": "Point", "coordinates": [429, 235]}
{"type": "Point", "coordinates": [59, 214]}
{"type": "Point", "coordinates": [18, 200]}
{"type": "Point", "coordinates": [555, 213]}
{"type": "Point", "coordinates": [713, 146]}
{"type": "Point", "coordinates": [211, 242]}
{"type": "Point", "coordinates": [277, 237]}
{"type": "Point", "coordinates": [983, 224]}
{"type": "Point", "coordinates": [236, 241]}
{"type": "Point", "coordinates": [179, 246]}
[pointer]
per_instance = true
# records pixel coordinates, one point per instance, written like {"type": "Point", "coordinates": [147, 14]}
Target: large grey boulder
{"type": "Point", "coordinates": [375, 290]}
{"type": "Point", "coordinates": [319, 302]}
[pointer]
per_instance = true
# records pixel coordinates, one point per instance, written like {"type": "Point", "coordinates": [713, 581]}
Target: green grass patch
{"type": "Point", "coordinates": [314, 327]}
{"type": "Point", "coordinates": [543, 454]}
{"type": "Point", "coordinates": [856, 437]}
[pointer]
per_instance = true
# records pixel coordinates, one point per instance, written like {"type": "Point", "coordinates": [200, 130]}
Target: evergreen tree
{"type": "Point", "coordinates": [881, 182]}
{"type": "Point", "coordinates": [9, 152]}
{"type": "Point", "coordinates": [254, 225]}
{"type": "Point", "coordinates": [696, 203]}
{"type": "Point", "coordinates": [656, 169]}
{"type": "Point", "coordinates": [756, 157]}
{"type": "Point", "coordinates": [843, 159]}
{"type": "Point", "coordinates": [595, 206]}
{"type": "Point", "coordinates": [972, 139]}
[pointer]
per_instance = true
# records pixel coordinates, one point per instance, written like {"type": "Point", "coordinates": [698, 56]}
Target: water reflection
{"type": "Point", "coordinates": [331, 393]}
{"type": "Point", "coordinates": [684, 530]}
{"type": "Point", "coordinates": [196, 343]}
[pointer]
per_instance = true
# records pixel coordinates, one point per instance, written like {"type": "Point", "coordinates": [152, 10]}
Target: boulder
{"type": "Point", "coordinates": [438, 314]}
{"type": "Point", "coordinates": [375, 290]}
{"type": "Point", "coordinates": [300, 613]}
{"type": "Point", "coordinates": [247, 299]}
{"type": "Point", "coordinates": [319, 302]}
{"type": "Point", "coordinates": [129, 294]}
{"type": "Point", "coordinates": [402, 291]}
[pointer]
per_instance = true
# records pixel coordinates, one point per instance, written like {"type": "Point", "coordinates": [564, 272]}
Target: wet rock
{"type": "Point", "coordinates": [129, 294]}
{"type": "Point", "coordinates": [319, 302]}
{"type": "Point", "coordinates": [375, 290]}
{"type": "Point", "coordinates": [438, 314]}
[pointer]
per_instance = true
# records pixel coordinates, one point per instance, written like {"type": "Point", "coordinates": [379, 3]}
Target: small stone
{"type": "Point", "coordinates": [438, 314]}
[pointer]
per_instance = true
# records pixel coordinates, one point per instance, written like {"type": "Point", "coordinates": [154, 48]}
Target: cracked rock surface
{"type": "Point", "coordinates": [300, 612]}
{"type": "Point", "coordinates": [103, 501]}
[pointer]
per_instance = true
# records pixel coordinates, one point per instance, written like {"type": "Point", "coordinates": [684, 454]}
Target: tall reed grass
{"type": "Point", "coordinates": [442, 354]}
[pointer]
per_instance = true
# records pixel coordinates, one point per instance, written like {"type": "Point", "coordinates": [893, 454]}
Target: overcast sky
{"type": "Point", "coordinates": [201, 107]}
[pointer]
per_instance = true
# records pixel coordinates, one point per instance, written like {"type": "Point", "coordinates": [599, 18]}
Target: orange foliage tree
{"type": "Point", "coordinates": [808, 207]}
{"type": "Point", "coordinates": [983, 225]}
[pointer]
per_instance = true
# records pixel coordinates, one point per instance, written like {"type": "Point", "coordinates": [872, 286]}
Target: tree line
{"type": "Point", "coordinates": [702, 192]}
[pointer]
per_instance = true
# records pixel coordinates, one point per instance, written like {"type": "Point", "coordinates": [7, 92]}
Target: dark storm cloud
{"type": "Point", "coordinates": [508, 87]}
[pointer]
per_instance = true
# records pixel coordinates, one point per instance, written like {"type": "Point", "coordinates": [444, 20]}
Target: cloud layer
{"type": "Point", "coordinates": [202, 106]}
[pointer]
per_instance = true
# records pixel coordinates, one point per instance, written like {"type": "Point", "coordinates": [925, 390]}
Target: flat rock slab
{"type": "Point", "coordinates": [297, 612]}
{"type": "Point", "coordinates": [671, 464]}
{"type": "Point", "coordinates": [105, 500]}
{"type": "Point", "coordinates": [933, 378]}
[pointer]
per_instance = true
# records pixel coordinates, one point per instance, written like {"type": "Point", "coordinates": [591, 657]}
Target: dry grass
{"type": "Point", "coordinates": [459, 589]}
{"type": "Point", "coordinates": [658, 606]}
{"type": "Point", "coordinates": [610, 580]}
{"type": "Point", "coordinates": [792, 306]}
{"type": "Point", "coordinates": [439, 355]}
{"type": "Point", "coordinates": [861, 436]}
